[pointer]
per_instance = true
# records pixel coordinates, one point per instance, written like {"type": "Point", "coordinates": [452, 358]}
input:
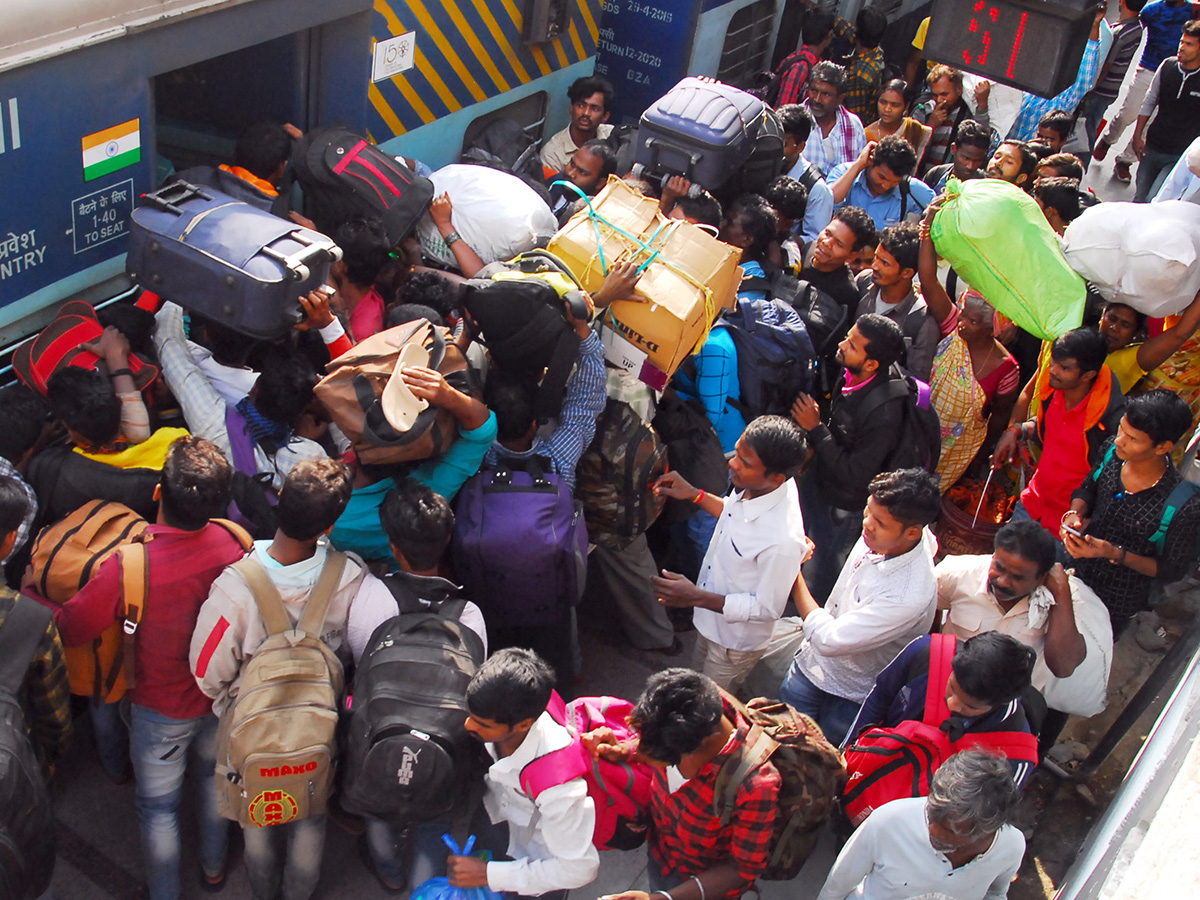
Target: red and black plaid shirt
{"type": "Point", "coordinates": [687, 838]}
{"type": "Point", "coordinates": [793, 74]}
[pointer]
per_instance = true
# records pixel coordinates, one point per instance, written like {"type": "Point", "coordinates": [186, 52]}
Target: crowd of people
{"type": "Point", "coordinates": [827, 511]}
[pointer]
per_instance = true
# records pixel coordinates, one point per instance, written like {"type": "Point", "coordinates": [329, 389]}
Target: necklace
{"type": "Point", "coordinates": [1149, 487]}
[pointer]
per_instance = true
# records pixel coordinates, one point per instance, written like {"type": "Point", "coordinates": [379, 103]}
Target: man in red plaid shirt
{"type": "Point", "coordinates": [688, 733]}
{"type": "Point", "coordinates": [793, 70]}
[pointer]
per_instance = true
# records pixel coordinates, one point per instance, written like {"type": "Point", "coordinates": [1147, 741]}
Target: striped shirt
{"type": "Point", "coordinates": [843, 143]}
{"type": "Point", "coordinates": [1127, 35]}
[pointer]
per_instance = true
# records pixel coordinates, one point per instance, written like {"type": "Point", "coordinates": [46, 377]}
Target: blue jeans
{"type": "Point", "coordinates": [163, 751]}
{"type": "Point", "coordinates": [833, 531]}
{"type": "Point", "coordinates": [1152, 172]}
{"type": "Point", "coordinates": [387, 851]}
{"type": "Point", "coordinates": [1092, 109]}
{"type": "Point", "coordinates": [834, 714]}
{"type": "Point", "coordinates": [112, 737]}
{"type": "Point", "coordinates": [303, 843]}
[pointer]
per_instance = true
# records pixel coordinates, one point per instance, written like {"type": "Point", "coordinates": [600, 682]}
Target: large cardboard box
{"type": "Point", "coordinates": [691, 277]}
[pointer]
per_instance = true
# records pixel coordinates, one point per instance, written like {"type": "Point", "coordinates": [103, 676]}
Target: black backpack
{"type": "Point", "coordinates": [409, 757]}
{"type": "Point", "coordinates": [823, 316]}
{"type": "Point", "coordinates": [27, 826]}
{"type": "Point", "coordinates": [622, 140]}
{"type": "Point", "coordinates": [810, 176]}
{"type": "Point", "coordinates": [692, 447]}
{"type": "Point", "coordinates": [774, 356]}
{"type": "Point", "coordinates": [920, 441]}
{"type": "Point", "coordinates": [519, 311]}
{"type": "Point", "coordinates": [503, 144]}
{"type": "Point", "coordinates": [343, 175]}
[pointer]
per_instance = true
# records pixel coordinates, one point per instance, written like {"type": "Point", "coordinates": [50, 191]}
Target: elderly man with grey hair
{"type": "Point", "coordinates": [953, 844]}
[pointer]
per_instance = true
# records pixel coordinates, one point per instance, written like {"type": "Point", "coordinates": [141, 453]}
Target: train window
{"type": "Point", "coordinates": [529, 112]}
{"type": "Point", "coordinates": [747, 43]}
{"type": "Point", "coordinates": [545, 20]}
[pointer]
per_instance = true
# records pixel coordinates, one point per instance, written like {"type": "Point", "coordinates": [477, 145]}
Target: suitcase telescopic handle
{"type": "Point", "coordinates": [168, 198]}
{"type": "Point", "coordinates": [298, 264]}
{"type": "Point", "coordinates": [653, 143]}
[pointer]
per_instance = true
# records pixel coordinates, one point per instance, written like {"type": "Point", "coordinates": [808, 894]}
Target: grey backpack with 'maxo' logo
{"type": "Point", "coordinates": [277, 744]}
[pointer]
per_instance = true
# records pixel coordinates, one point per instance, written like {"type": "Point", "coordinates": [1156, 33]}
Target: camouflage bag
{"type": "Point", "coordinates": [812, 775]}
{"type": "Point", "coordinates": [615, 477]}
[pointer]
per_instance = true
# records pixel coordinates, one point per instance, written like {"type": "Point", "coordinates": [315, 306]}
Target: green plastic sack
{"type": "Point", "coordinates": [998, 240]}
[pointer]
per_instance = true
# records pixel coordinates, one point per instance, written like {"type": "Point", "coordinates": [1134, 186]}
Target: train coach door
{"type": "Point", "coordinates": [200, 109]}
{"type": "Point", "coordinates": [309, 77]}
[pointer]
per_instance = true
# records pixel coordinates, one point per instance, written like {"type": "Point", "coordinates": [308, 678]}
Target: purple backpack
{"type": "Point", "coordinates": [520, 543]}
{"type": "Point", "coordinates": [253, 498]}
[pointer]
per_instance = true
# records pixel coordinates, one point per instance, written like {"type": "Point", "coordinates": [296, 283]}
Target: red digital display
{"type": "Point", "coordinates": [1035, 46]}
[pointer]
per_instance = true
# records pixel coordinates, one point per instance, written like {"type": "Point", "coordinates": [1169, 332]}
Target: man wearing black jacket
{"type": "Point", "coordinates": [852, 448]}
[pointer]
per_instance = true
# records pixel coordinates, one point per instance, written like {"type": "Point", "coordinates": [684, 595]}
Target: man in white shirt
{"type": "Point", "coordinates": [591, 100]}
{"type": "Point", "coordinates": [884, 597]}
{"type": "Point", "coordinates": [755, 553]}
{"type": "Point", "coordinates": [1020, 591]}
{"type": "Point", "coordinates": [954, 844]}
{"type": "Point", "coordinates": [549, 843]}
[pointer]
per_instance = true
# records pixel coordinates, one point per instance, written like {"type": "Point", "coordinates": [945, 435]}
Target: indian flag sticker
{"type": "Point", "coordinates": [111, 149]}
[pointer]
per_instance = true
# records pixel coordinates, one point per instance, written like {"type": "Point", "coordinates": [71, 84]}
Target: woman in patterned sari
{"type": "Point", "coordinates": [975, 382]}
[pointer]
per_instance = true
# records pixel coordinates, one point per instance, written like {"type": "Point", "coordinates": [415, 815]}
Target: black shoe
{"type": "Point", "coordinates": [672, 649]}
{"type": "Point", "coordinates": [365, 855]}
{"type": "Point", "coordinates": [211, 885]}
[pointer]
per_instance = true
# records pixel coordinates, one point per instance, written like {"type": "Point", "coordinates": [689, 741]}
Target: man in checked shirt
{"type": "Point", "coordinates": [687, 732]}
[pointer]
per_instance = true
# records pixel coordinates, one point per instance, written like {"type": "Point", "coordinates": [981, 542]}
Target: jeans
{"type": "Point", "coordinates": [112, 738]}
{"type": "Point", "coordinates": [163, 751]}
{"type": "Point", "coordinates": [834, 714]}
{"type": "Point", "coordinates": [303, 842]}
{"type": "Point", "coordinates": [1092, 109]}
{"type": "Point", "coordinates": [833, 531]}
{"type": "Point", "coordinates": [384, 841]}
{"type": "Point", "coordinates": [1152, 172]}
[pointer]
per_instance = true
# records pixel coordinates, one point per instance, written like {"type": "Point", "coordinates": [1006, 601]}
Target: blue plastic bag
{"type": "Point", "coordinates": [441, 888]}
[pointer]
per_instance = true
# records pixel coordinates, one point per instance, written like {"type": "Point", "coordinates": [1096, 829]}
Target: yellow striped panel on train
{"type": "Point", "coordinates": [466, 51]}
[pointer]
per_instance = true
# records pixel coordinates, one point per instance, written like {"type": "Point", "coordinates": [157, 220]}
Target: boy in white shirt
{"type": "Point", "coordinates": [755, 553]}
{"type": "Point", "coordinates": [549, 840]}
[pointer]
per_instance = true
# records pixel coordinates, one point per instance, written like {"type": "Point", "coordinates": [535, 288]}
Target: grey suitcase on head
{"type": "Point", "coordinates": [714, 135]}
{"type": "Point", "coordinates": [225, 259]}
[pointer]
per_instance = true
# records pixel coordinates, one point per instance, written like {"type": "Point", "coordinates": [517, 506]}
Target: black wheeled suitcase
{"type": "Point", "coordinates": [712, 134]}
{"type": "Point", "coordinates": [225, 259]}
{"type": "Point", "coordinates": [344, 175]}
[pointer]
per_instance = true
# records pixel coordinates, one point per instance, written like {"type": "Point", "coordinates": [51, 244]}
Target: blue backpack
{"type": "Point", "coordinates": [520, 543]}
{"type": "Point", "coordinates": [774, 356]}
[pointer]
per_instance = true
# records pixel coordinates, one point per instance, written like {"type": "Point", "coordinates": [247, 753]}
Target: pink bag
{"type": "Point", "coordinates": [620, 791]}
